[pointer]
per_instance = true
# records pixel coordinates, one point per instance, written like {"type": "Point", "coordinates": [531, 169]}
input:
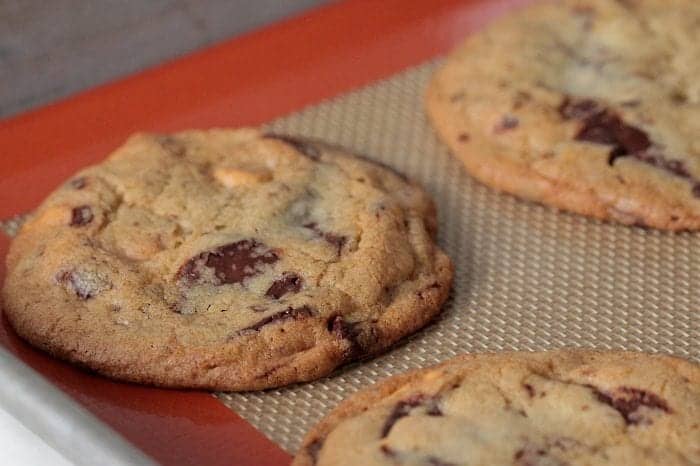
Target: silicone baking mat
{"type": "Point", "coordinates": [527, 277]}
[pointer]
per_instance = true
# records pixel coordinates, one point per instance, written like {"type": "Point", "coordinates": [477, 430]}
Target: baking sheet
{"type": "Point", "coordinates": [527, 277]}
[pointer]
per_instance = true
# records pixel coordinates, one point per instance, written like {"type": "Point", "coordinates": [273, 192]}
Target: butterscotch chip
{"type": "Point", "coordinates": [591, 106]}
{"type": "Point", "coordinates": [226, 259]}
{"type": "Point", "coordinates": [556, 408]}
{"type": "Point", "coordinates": [233, 177]}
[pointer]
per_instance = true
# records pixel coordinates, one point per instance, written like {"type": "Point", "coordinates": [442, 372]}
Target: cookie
{"type": "Point", "coordinates": [590, 106]}
{"type": "Point", "coordinates": [522, 409]}
{"type": "Point", "coordinates": [226, 259]}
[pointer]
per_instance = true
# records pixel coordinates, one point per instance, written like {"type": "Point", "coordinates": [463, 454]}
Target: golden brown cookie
{"type": "Point", "coordinates": [591, 106]}
{"type": "Point", "coordinates": [555, 408]}
{"type": "Point", "coordinates": [226, 259]}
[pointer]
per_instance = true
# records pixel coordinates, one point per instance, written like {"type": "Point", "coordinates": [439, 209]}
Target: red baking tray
{"type": "Point", "coordinates": [244, 81]}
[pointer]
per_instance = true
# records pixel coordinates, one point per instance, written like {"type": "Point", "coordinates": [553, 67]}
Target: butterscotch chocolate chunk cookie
{"type": "Point", "coordinates": [226, 259]}
{"type": "Point", "coordinates": [591, 106]}
{"type": "Point", "coordinates": [556, 408]}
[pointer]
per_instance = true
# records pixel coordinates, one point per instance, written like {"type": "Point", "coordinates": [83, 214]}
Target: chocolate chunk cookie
{"type": "Point", "coordinates": [556, 408]}
{"type": "Point", "coordinates": [226, 259]}
{"type": "Point", "coordinates": [591, 106]}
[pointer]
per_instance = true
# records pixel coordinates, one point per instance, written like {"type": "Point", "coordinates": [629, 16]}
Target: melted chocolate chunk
{"type": "Point", "coordinates": [291, 313]}
{"type": "Point", "coordinates": [289, 282]}
{"type": "Point", "coordinates": [676, 167]}
{"type": "Point", "coordinates": [607, 128]}
{"type": "Point", "coordinates": [303, 146]}
{"type": "Point", "coordinates": [313, 449]}
{"type": "Point", "coordinates": [463, 137]}
{"type": "Point", "coordinates": [81, 216]}
{"type": "Point", "coordinates": [571, 109]}
{"type": "Point", "coordinates": [338, 241]}
{"type": "Point", "coordinates": [696, 190]}
{"type": "Point", "coordinates": [78, 183]}
{"type": "Point", "coordinates": [507, 123]}
{"type": "Point", "coordinates": [627, 401]}
{"type": "Point", "coordinates": [529, 389]}
{"type": "Point", "coordinates": [343, 330]}
{"type": "Point", "coordinates": [231, 263]}
{"type": "Point", "coordinates": [403, 408]}
{"type": "Point", "coordinates": [602, 126]}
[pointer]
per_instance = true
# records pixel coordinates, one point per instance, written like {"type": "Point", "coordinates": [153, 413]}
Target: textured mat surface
{"type": "Point", "coordinates": [527, 278]}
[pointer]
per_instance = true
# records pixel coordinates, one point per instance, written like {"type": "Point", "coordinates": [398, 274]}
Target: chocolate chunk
{"type": "Point", "coordinates": [529, 389]}
{"type": "Point", "coordinates": [404, 407]}
{"type": "Point", "coordinates": [303, 146]}
{"type": "Point", "coordinates": [81, 216]}
{"type": "Point", "coordinates": [289, 282]}
{"type": "Point", "coordinates": [676, 167]}
{"type": "Point", "coordinates": [400, 410]}
{"type": "Point", "coordinates": [83, 284]}
{"type": "Point", "coordinates": [313, 449]}
{"type": "Point", "coordinates": [338, 241]}
{"type": "Point", "coordinates": [607, 128]}
{"type": "Point", "coordinates": [388, 451]}
{"type": "Point", "coordinates": [627, 401]}
{"type": "Point", "coordinates": [602, 126]}
{"type": "Point", "coordinates": [291, 313]}
{"type": "Point", "coordinates": [577, 109]}
{"type": "Point", "coordinates": [696, 190]}
{"type": "Point", "coordinates": [344, 330]}
{"type": "Point", "coordinates": [507, 123]}
{"type": "Point", "coordinates": [78, 183]}
{"type": "Point", "coordinates": [463, 137]}
{"type": "Point", "coordinates": [341, 329]}
{"type": "Point", "coordinates": [231, 263]}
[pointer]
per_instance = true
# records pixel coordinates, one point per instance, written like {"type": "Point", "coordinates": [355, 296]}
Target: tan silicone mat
{"type": "Point", "coordinates": [527, 277]}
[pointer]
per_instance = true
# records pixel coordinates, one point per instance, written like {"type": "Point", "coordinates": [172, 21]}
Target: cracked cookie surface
{"type": "Point", "coordinates": [591, 106]}
{"type": "Point", "coordinates": [558, 408]}
{"type": "Point", "coordinates": [226, 259]}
